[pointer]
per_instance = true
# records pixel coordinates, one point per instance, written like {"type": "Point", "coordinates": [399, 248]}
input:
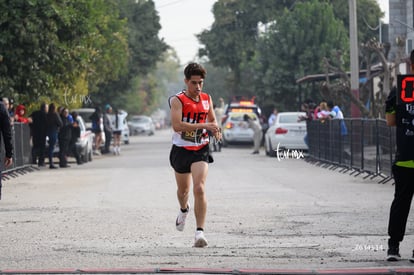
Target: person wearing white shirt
{"type": "Point", "coordinates": [117, 125]}
{"type": "Point", "coordinates": [272, 118]}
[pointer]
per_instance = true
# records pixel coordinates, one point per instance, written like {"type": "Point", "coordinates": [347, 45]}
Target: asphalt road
{"type": "Point", "coordinates": [263, 213]}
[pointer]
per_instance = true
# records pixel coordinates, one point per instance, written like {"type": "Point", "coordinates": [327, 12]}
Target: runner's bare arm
{"type": "Point", "coordinates": [180, 126]}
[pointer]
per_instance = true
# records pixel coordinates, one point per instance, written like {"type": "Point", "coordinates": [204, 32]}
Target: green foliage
{"type": "Point", "coordinates": [150, 93]}
{"type": "Point", "coordinates": [49, 47]}
{"type": "Point", "coordinates": [233, 36]}
{"type": "Point", "coordinates": [144, 51]}
{"type": "Point", "coordinates": [71, 53]}
{"type": "Point", "coordinates": [368, 17]}
{"type": "Point", "coordinates": [294, 38]}
{"type": "Point", "coordinates": [300, 50]}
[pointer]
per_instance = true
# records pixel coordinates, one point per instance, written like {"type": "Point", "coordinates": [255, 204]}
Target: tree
{"type": "Point", "coordinates": [144, 50]}
{"type": "Point", "coordinates": [230, 46]}
{"type": "Point", "coordinates": [368, 17]}
{"type": "Point", "coordinates": [233, 36]}
{"type": "Point", "coordinates": [291, 49]}
{"type": "Point", "coordinates": [51, 47]}
{"type": "Point", "coordinates": [371, 52]}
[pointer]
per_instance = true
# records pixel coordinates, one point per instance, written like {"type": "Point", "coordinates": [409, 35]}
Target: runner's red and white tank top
{"type": "Point", "coordinates": [193, 112]}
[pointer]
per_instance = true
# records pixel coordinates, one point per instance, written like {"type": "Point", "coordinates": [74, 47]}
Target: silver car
{"type": "Point", "coordinates": [141, 125]}
{"type": "Point", "coordinates": [286, 134]}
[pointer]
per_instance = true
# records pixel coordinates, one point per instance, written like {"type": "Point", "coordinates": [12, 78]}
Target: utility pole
{"type": "Point", "coordinates": [353, 39]}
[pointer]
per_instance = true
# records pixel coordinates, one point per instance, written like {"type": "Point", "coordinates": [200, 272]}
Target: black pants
{"type": "Point", "coordinates": [108, 138]}
{"type": "Point", "coordinates": [63, 152]}
{"type": "Point", "coordinates": [400, 207]}
{"type": "Point", "coordinates": [38, 150]}
{"type": "Point", "coordinates": [75, 152]}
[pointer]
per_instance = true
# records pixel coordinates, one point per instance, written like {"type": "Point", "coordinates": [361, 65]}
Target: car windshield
{"type": "Point", "coordinates": [85, 116]}
{"type": "Point", "coordinates": [292, 118]}
{"type": "Point", "coordinates": [140, 119]}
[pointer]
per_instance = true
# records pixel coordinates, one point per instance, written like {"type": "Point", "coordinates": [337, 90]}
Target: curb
{"type": "Point", "coordinates": [345, 271]}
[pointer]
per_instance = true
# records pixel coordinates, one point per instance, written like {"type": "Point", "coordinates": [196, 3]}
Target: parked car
{"type": "Point", "coordinates": [141, 125]}
{"type": "Point", "coordinates": [86, 113]}
{"type": "Point", "coordinates": [236, 130]}
{"type": "Point", "coordinates": [125, 133]}
{"type": "Point", "coordinates": [286, 133]}
{"type": "Point", "coordinates": [84, 145]}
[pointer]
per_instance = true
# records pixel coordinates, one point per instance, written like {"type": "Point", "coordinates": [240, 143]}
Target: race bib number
{"type": "Point", "coordinates": [193, 136]}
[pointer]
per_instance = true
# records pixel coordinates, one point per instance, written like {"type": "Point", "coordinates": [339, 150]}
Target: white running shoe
{"type": "Point", "coordinates": [200, 240]}
{"type": "Point", "coordinates": [180, 221]}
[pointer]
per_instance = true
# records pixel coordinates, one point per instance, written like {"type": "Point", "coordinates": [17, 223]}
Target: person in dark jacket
{"type": "Point", "coordinates": [53, 124]}
{"type": "Point", "coordinates": [97, 128]}
{"type": "Point", "coordinates": [64, 137]}
{"type": "Point", "coordinates": [76, 132]}
{"type": "Point", "coordinates": [6, 134]}
{"type": "Point", "coordinates": [398, 114]}
{"type": "Point", "coordinates": [38, 129]}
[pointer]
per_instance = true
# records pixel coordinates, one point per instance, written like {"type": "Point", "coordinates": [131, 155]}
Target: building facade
{"type": "Point", "coordinates": [401, 29]}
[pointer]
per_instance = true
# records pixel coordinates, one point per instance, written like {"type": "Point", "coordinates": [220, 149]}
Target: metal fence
{"type": "Point", "coordinates": [366, 148]}
{"type": "Point", "coordinates": [22, 152]}
{"type": "Point", "coordinates": [357, 146]}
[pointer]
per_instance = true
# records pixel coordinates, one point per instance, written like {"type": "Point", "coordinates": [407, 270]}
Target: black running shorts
{"type": "Point", "coordinates": [181, 158]}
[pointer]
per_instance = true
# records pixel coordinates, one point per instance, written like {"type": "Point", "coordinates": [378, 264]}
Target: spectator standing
{"type": "Point", "coordinates": [402, 170]}
{"type": "Point", "coordinates": [10, 110]}
{"type": "Point", "coordinates": [97, 128]}
{"type": "Point", "coordinates": [6, 134]}
{"type": "Point", "coordinates": [38, 127]}
{"type": "Point", "coordinates": [20, 114]}
{"type": "Point", "coordinates": [324, 113]}
{"type": "Point", "coordinates": [107, 128]}
{"type": "Point", "coordinates": [75, 135]}
{"type": "Point", "coordinates": [272, 118]}
{"type": "Point", "coordinates": [307, 107]}
{"type": "Point", "coordinates": [53, 124]}
{"type": "Point", "coordinates": [254, 124]}
{"type": "Point", "coordinates": [117, 125]}
{"type": "Point", "coordinates": [192, 116]}
{"type": "Point", "coordinates": [64, 137]}
{"type": "Point", "coordinates": [336, 113]}
{"type": "Point", "coordinates": [219, 112]}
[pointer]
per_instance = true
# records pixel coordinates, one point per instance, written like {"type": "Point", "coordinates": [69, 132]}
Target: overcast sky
{"type": "Point", "coordinates": [181, 20]}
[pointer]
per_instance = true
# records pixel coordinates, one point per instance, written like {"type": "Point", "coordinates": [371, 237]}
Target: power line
{"type": "Point", "coordinates": [170, 3]}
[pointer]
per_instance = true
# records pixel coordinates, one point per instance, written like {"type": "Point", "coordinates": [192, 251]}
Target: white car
{"type": "Point", "coordinates": [85, 141]}
{"type": "Point", "coordinates": [86, 113]}
{"type": "Point", "coordinates": [286, 134]}
{"type": "Point", "coordinates": [84, 144]}
{"type": "Point", "coordinates": [125, 133]}
{"type": "Point", "coordinates": [236, 130]}
{"type": "Point", "coordinates": [141, 125]}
